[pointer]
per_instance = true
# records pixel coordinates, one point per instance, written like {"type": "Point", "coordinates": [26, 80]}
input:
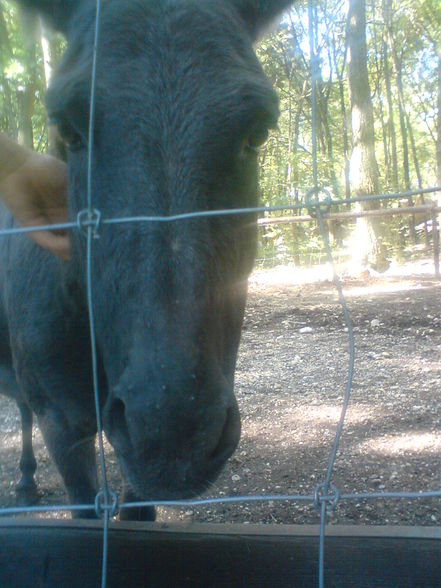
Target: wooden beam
{"type": "Point", "coordinates": [216, 556]}
{"type": "Point", "coordinates": [283, 220]}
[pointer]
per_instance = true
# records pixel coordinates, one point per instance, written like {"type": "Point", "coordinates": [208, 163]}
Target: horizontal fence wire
{"type": "Point", "coordinates": [85, 220]}
{"type": "Point", "coordinates": [227, 500]}
{"type": "Point", "coordinates": [325, 496]}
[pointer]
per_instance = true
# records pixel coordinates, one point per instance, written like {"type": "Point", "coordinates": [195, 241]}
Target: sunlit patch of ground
{"type": "Point", "coordinates": [416, 443]}
{"type": "Point", "coordinates": [290, 383]}
{"type": "Point", "coordinates": [395, 279]}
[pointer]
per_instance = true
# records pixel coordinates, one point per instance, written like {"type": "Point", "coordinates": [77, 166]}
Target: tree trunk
{"type": "Point", "coordinates": [438, 152]}
{"type": "Point", "coordinates": [404, 134]}
{"type": "Point", "coordinates": [327, 130]}
{"type": "Point", "coordinates": [401, 106]}
{"type": "Point", "coordinates": [379, 92]}
{"type": "Point", "coordinates": [416, 165]}
{"type": "Point", "coordinates": [344, 114]}
{"type": "Point", "coordinates": [367, 249]}
{"type": "Point", "coordinates": [55, 145]}
{"type": "Point", "coordinates": [438, 131]}
{"type": "Point", "coordinates": [6, 53]}
{"type": "Point", "coordinates": [390, 105]}
{"type": "Point", "coordinates": [26, 97]}
{"type": "Point", "coordinates": [289, 170]}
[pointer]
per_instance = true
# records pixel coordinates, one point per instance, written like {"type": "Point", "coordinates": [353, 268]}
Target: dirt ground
{"type": "Point", "coordinates": [290, 384]}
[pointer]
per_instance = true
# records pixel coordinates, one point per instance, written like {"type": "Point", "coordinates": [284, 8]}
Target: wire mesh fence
{"type": "Point", "coordinates": [325, 496]}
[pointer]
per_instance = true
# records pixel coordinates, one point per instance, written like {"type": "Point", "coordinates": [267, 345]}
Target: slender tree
{"type": "Point", "coordinates": [368, 249]}
{"type": "Point", "coordinates": [438, 126]}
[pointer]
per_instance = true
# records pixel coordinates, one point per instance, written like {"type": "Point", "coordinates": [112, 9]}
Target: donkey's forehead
{"type": "Point", "coordinates": [139, 27]}
{"type": "Point", "coordinates": [187, 44]}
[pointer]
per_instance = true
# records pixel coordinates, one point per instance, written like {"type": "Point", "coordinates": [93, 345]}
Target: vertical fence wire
{"type": "Point", "coordinates": [92, 215]}
{"type": "Point", "coordinates": [326, 495]}
{"type": "Point", "coordinates": [327, 483]}
{"type": "Point", "coordinates": [313, 73]}
{"type": "Point", "coordinates": [326, 487]}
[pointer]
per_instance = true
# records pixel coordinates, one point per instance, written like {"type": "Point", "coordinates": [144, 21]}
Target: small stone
{"type": "Point", "coordinates": [306, 330]}
{"type": "Point", "coordinates": [235, 478]}
{"type": "Point", "coordinates": [375, 323]}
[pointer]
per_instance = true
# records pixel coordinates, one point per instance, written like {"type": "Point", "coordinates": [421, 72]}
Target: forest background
{"type": "Point", "coordinates": [377, 66]}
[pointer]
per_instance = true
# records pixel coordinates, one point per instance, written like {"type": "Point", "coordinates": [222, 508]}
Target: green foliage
{"type": "Point", "coordinates": [22, 76]}
{"type": "Point", "coordinates": [403, 53]}
{"type": "Point", "coordinates": [287, 157]}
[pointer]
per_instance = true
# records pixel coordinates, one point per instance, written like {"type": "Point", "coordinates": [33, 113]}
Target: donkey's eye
{"type": "Point", "coordinates": [72, 139]}
{"type": "Point", "coordinates": [257, 139]}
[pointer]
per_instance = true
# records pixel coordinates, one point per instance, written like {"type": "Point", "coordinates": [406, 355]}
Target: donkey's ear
{"type": "Point", "coordinates": [259, 15]}
{"type": "Point", "coordinates": [56, 12]}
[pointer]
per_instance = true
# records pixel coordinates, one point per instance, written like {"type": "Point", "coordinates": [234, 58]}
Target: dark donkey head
{"type": "Point", "coordinates": [182, 105]}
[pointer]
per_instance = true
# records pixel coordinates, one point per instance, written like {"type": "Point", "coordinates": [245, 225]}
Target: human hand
{"type": "Point", "coordinates": [36, 194]}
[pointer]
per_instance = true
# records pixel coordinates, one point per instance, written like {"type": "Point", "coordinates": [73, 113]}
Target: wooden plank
{"type": "Point", "coordinates": [69, 555]}
{"type": "Point", "coordinates": [404, 532]}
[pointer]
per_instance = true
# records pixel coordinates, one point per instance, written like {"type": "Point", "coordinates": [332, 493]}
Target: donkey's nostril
{"type": "Point", "coordinates": [116, 416]}
{"type": "Point", "coordinates": [229, 437]}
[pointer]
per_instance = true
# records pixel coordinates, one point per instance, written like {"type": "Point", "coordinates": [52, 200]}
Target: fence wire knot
{"type": "Point", "coordinates": [111, 507]}
{"type": "Point", "coordinates": [328, 493]}
{"type": "Point", "coordinates": [89, 218]}
{"type": "Point", "coordinates": [318, 198]}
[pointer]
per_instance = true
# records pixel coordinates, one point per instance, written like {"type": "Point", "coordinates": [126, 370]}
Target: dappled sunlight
{"type": "Point", "coordinates": [422, 367]}
{"type": "Point", "coordinates": [408, 442]}
{"type": "Point", "coordinates": [382, 288]}
{"type": "Point", "coordinates": [286, 275]}
{"type": "Point", "coordinates": [12, 439]}
{"type": "Point", "coordinates": [398, 278]}
{"type": "Point", "coordinates": [330, 413]}
{"type": "Point", "coordinates": [313, 425]}
{"type": "Point", "coordinates": [308, 424]}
